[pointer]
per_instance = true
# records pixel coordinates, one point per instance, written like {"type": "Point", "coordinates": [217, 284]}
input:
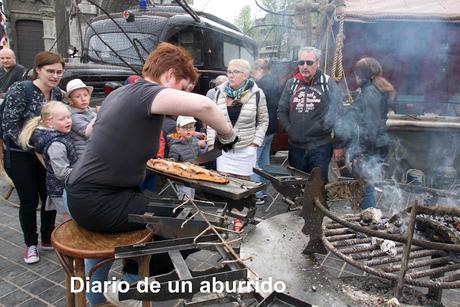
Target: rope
{"type": "Point", "coordinates": [337, 65]}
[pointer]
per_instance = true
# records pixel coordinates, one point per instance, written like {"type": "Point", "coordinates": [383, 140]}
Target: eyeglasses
{"type": "Point", "coordinates": [309, 62]}
{"type": "Point", "coordinates": [189, 128]}
{"type": "Point", "coordinates": [53, 72]}
{"type": "Point", "coordinates": [233, 72]}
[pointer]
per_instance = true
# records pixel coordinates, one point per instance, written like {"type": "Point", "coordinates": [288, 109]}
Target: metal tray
{"type": "Point", "coordinates": [236, 189]}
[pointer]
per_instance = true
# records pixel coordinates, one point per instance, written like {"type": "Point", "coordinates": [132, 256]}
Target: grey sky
{"type": "Point", "coordinates": [226, 9]}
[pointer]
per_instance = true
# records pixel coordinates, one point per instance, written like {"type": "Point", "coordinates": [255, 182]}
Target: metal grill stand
{"type": "Point", "coordinates": [422, 263]}
{"type": "Point", "coordinates": [190, 229]}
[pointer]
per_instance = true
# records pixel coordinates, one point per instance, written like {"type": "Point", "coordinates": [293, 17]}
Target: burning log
{"type": "Point", "coordinates": [435, 231]}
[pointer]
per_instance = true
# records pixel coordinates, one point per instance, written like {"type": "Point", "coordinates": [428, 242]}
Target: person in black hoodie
{"type": "Point", "coordinates": [308, 109]}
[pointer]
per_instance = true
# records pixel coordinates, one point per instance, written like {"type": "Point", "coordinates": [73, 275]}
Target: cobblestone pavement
{"type": "Point", "coordinates": [42, 284]}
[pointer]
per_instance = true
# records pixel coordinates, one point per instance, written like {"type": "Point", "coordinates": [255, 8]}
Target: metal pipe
{"type": "Point", "coordinates": [351, 242]}
{"type": "Point", "coordinates": [418, 264]}
{"type": "Point", "coordinates": [380, 253]}
{"type": "Point", "coordinates": [418, 254]}
{"type": "Point", "coordinates": [444, 269]}
{"type": "Point", "coordinates": [339, 231]}
{"type": "Point", "coordinates": [359, 249]}
{"type": "Point", "coordinates": [342, 237]}
{"type": "Point", "coordinates": [406, 252]}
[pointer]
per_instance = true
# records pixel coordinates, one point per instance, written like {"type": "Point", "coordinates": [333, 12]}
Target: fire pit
{"type": "Point", "coordinates": [399, 258]}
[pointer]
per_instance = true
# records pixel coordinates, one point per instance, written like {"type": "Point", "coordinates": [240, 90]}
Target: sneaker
{"type": "Point", "coordinates": [46, 247]}
{"type": "Point", "coordinates": [31, 254]}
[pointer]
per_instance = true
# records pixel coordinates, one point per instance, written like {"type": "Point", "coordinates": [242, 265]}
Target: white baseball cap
{"type": "Point", "coordinates": [76, 84]}
{"type": "Point", "coordinates": [184, 120]}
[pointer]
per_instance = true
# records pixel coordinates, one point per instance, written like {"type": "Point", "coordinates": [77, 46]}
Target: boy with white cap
{"type": "Point", "coordinates": [83, 116]}
{"type": "Point", "coordinates": [184, 146]}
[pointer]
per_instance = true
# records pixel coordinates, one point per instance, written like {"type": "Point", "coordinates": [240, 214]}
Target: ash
{"type": "Point", "coordinates": [371, 291]}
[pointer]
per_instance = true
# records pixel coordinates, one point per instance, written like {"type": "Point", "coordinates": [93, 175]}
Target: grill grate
{"type": "Point", "coordinates": [426, 266]}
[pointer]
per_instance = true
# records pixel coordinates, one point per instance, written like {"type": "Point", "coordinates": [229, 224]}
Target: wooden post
{"type": "Point", "coordinates": [144, 271]}
{"type": "Point", "coordinates": [80, 272]}
{"type": "Point", "coordinates": [68, 262]}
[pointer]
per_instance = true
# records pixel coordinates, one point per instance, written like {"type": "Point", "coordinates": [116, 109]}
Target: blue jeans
{"type": "Point", "coordinates": [150, 183]}
{"type": "Point", "coordinates": [369, 197]}
{"type": "Point", "coordinates": [100, 275]}
{"type": "Point", "coordinates": [306, 160]}
{"type": "Point", "coordinates": [369, 167]}
{"type": "Point", "coordinates": [263, 159]}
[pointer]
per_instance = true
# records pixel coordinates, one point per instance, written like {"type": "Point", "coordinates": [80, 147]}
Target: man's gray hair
{"type": "Point", "coordinates": [310, 49]}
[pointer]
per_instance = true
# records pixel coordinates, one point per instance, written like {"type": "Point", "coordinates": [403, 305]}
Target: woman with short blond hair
{"type": "Point", "coordinates": [245, 108]}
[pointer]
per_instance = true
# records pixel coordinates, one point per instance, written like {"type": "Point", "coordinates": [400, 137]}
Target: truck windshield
{"type": "Point", "coordinates": [99, 52]}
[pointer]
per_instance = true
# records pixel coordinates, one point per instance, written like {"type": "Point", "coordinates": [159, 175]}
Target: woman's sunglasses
{"type": "Point", "coordinates": [309, 63]}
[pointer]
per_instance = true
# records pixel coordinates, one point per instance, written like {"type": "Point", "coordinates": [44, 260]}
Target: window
{"type": "Point", "coordinates": [246, 55]}
{"type": "Point", "coordinates": [98, 50]}
{"type": "Point", "coordinates": [190, 39]}
{"type": "Point", "coordinates": [213, 50]}
{"type": "Point", "coordinates": [233, 51]}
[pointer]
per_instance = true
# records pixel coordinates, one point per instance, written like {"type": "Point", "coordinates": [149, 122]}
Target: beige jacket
{"type": "Point", "coordinates": [252, 122]}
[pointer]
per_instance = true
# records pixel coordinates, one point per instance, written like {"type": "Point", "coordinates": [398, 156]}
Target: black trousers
{"type": "Point", "coordinates": [29, 178]}
{"type": "Point", "coordinates": [103, 208]}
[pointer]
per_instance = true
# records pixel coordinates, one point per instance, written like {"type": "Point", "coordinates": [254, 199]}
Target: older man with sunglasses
{"type": "Point", "coordinates": [308, 109]}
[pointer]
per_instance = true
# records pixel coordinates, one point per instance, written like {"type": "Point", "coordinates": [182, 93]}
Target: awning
{"type": "Point", "coordinates": [403, 9]}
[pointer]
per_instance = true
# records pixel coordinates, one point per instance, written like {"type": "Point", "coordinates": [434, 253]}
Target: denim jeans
{"type": "Point", "coordinates": [368, 167]}
{"type": "Point", "coordinates": [306, 160]}
{"type": "Point", "coordinates": [263, 159]}
{"type": "Point", "coordinates": [100, 275]}
{"type": "Point", "coordinates": [369, 197]}
{"type": "Point", "coordinates": [150, 183]}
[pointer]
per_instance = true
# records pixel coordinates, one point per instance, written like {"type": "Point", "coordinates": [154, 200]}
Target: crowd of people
{"type": "Point", "coordinates": [60, 150]}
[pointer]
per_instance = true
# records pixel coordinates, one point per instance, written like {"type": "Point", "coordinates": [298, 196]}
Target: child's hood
{"type": "Point", "coordinates": [42, 136]}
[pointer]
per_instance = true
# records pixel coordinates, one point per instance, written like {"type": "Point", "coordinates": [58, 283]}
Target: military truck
{"type": "Point", "coordinates": [116, 46]}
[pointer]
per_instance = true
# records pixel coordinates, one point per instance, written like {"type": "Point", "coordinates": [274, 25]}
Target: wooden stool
{"type": "Point", "coordinates": [73, 244]}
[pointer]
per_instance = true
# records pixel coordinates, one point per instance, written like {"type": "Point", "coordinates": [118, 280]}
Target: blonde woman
{"type": "Point", "coordinates": [245, 108]}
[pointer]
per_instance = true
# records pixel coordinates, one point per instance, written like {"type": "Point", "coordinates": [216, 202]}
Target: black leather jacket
{"type": "Point", "coordinates": [365, 122]}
